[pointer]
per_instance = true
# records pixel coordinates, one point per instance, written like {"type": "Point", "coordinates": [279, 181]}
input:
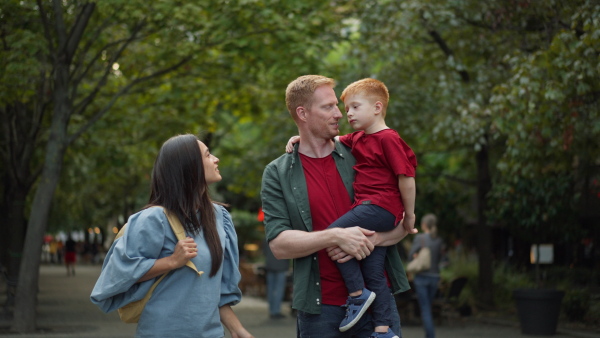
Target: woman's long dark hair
{"type": "Point", "coordinates": [179, 185]}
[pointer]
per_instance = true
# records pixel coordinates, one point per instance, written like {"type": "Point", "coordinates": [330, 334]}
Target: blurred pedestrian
{"type": "Point", "coordinates": [276, 275]}
{"type": "Point", "coordinates": [70, 255]}
{"type": "Point", "coordinates": [426, 282]}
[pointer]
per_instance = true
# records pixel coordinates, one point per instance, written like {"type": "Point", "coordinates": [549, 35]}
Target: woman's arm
{"type": "Point", "coordinates": [232, 323]}
{"type": "Point", "coordinates": [185, 250]}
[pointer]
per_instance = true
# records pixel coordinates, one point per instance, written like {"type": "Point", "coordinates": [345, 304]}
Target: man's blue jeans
{"type": "Point", "coordinates": [327, 324]}
{"type": "Point", "coordinates": [426, 288]}
{"type": "Point", "coordinates": [275, 290]}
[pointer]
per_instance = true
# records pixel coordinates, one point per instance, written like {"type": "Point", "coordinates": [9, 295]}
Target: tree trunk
{"type": "Point", "coordinates": [18, 139]}
{"type": "Point", "coordinates": [25, 307]}
{"type": "Point", "coordinates": [484, 232]}
{"type": "Point", "coordinates": [14, 235]}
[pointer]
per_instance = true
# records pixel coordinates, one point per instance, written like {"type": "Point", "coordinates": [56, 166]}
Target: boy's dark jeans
{"type": "Point", "coordinates": [369, 271]}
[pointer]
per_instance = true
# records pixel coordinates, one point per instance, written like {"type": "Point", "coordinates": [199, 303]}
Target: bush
{"type": "Point", "coordinates": [507, 279]}
{"type": "Point", "coordinates": [462, 265]}
{"type": "Point", "coordinates": [576, 304]}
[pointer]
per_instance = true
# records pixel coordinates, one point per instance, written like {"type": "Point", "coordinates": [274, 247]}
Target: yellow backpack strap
{"type": "Point", "coordinates": [121, 232]}
{"type": "Point", "coordinates": [180, 234]}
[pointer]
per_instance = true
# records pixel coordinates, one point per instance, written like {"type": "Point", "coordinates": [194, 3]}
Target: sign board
{"type": "Point", "coordinates": [546, 254]}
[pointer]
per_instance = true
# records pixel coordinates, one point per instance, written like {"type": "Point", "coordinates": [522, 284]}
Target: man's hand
{"type": "Point", "coordinates": [355, 241]}
{"type": "Point", "coordinates": [387, 238]}
{"type": "Point", "coordinates": [338, 255]}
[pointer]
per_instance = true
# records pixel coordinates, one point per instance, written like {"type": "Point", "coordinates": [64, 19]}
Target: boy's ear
{"type": "Point", "coordinates": [378, 107]}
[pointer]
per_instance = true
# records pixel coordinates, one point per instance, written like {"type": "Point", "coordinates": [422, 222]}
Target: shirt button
{"type": "Point", "coordinates": [315, 258]}
{"type": "Point", "coordinates": [317, 283]}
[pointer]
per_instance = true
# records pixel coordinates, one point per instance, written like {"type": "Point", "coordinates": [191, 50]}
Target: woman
{"type": "Point", "coordinates": [426, 282]}
{"type": "Point", "coordinates": [184, 303]}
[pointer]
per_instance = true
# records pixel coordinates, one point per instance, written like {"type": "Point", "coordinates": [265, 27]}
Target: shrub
{"type": "Point", "coordinates": [576, 304]}
{"type": "Point", "coordinates": [507, 279]}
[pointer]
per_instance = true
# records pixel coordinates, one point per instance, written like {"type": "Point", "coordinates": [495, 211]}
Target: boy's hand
{"type": "Point", "coordinates": [289, 147]}
{"type": "Point", "coordinates": [408, 222]}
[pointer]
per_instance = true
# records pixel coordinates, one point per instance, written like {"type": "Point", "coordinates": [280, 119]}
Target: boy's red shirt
{"type": "Point", "coordinates": [380, 158]}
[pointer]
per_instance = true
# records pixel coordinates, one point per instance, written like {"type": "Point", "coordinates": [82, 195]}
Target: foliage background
{"type": "Point", "coordinates": [499, 99]}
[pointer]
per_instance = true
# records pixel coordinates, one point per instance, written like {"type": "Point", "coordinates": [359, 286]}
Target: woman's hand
{"type": "Point", "coordinates": [185, 250]}
{"type": "Point", "coordinates": [242, 334]}
{"type": "Point", "coordinates": [232, 323]}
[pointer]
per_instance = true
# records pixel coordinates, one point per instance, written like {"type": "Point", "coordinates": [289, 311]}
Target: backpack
{"type": "Point", "coordinates": [131, 312]}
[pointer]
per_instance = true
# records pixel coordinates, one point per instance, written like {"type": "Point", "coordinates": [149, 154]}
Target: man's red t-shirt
{"type": "Point", "coordinates": [380, 158]}
{"type": "Point", "coordinates": [328, 200]}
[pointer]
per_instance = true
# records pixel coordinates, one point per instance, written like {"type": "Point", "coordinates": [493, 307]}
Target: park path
{"type": "Point", "coordinates": [65, 310]}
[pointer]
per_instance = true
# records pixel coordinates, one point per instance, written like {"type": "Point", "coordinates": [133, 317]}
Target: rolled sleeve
{"type": "Point", "coordinates": [129, 258]}
{"type": "Point", "coordinates": [230, 291]}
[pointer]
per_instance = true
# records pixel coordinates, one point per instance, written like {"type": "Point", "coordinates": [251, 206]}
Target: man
{"type": "Point", "coordinates": [305, 191]}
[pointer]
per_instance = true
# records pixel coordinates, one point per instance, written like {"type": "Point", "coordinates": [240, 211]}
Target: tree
{"type": "Point", "coordinates": [549, 112]}
{"type": "Point", "coordinates": [67, 64]}
{"type": "Point", "coordinates": [449, 62]}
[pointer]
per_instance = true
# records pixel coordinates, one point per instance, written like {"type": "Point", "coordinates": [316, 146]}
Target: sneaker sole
{"type": "Point", "coordinates": [360, 313]}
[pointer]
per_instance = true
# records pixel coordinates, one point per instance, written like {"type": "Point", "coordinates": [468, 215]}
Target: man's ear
{"type": "Point", "coordinates": [301, 112]}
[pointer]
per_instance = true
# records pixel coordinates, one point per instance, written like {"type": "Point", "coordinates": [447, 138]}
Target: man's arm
{"type": "Point", "coordinates": [295, 243]}
{"type": "Point", "coordinates": [387, 238]}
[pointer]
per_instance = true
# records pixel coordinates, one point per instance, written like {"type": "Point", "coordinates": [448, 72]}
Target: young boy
{"type": "Point", "coordinates": [384, 194]}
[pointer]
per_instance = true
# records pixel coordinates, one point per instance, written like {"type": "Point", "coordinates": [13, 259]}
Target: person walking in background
{"type": "Point", "coordinates": [276, 275]}
{"type": "Point", "coordinates": [426, 282]}
{"type": "Point", "coordinates": [302, 193]}
{"type": "Point", "coordinates": [70, 255]}
{"type": "Point", "coordinates": [187, 303]}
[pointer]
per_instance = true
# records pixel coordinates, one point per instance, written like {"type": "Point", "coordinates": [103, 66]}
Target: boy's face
{"type": "Point", "coordinates": [362, 112]}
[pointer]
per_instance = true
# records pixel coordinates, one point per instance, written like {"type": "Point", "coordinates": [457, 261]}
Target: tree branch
{"type": "Point", "coordinates": [45, 24]}
{"type": "Point", "coordinates": [444, 47]}
{"type": "Point", "coordinates": [130, 39]}
{"type": "Point", "coordinates": [81, 106]}
{"type": "Point", "coordinates": [77, 31]}
{"type": "Point", "coordinates": [122, 92]}
{"type": "Point", "coordinates": [105, 24]}
{"type": "Point", "coordinates": [61, 31]}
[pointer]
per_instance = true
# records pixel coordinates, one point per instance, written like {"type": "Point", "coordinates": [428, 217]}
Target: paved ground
{"type": "Point", "coordinates": [65, 310]}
